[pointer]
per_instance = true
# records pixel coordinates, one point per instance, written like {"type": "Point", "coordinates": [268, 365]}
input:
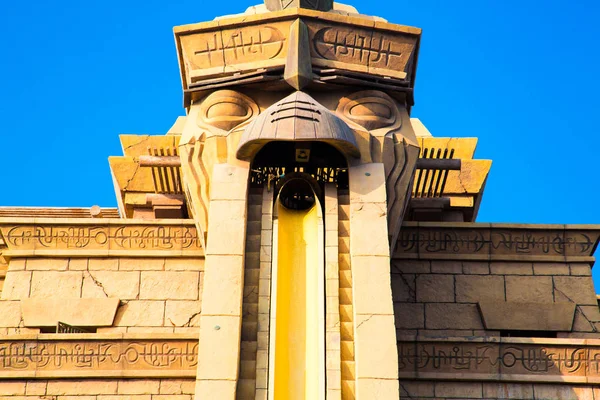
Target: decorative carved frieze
{"type": "Point", "coordinates": [501, 359]}
{"type": "Point", "coordinates": [497, 242]}
{"type": "Point", "coordinates": [29, 237]}
{"type": "Point", "coordinates": [255, 49]}
{"type": "Point", "coordinates": [80, 356]}
{"type": "Point", "coordinates": [360, 49]}
{"type": "Point", "coordinates": [218, 49]}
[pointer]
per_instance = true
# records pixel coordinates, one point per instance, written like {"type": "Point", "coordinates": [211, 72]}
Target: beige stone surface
{"type": "Point", "coordinates": [183, 313]}
{"type": "Point", "coordinates": [224, 274]}
{"type": "Point", "coordinates": [560, 392]}
{"type": "Point", "coordinates": [375, 347]}
{"type": "Point", "coordinates": [452, 316]}
{"type": "Point", "coordinates": [76, 312]}
{"type": "Point", "coordinates": [579, 290]}
{"type": "Point", "coordinates": [81, 387]}
{"type": "Point", "coordinates": [476, 268]}
{"type": "Point", "coordinates": [225, 227]}
{"type": "Point", "coordinates": [446, 267]}
{"type": "Point", "coordinates": [78, 264]}
{"type": "Point", "coordinates": [17, 285]}
{"type": "Point", "coordinates": [141, 313]}
{"type": "Point", "coordinates": [219, 336]}
{"type": "Point", "coordinates": [435, 288]}
{"type": "Point", "coordinates": [411, 266]}
{"type": "Point", "coordinates": [550, 269]}
{"type": "Point", "coordinates": [228, 182]}
{"type": "Point", "coordinates": [377, 388]}
{"type": "Point", "coordinates": [580, 269]}
{"type": "Point", "coordinates": [17, 264]}
{"type": "Point", "coordinates": [34, 388]}
{"type": "Point", "coordinates": [184, 264]}
{"type": "Point", "coordinates": [169, 285]}
{"type": "Point", "coordinates": [367, 183]}
{"type": "Point", "coordinates": [502, 315]}
{"type": "Point", "coordinates": [56, 284]}
{"type": "Point", "coordinates": [409, 316]}
{"type": "Point", "coordinates": [121, 285]}
{"type": "Point", "coordinates": [103, 264]}
{"type": "Point", "coordinates": [508, 391]}
{"type": "Point", "coordinates": [12, 388]}
{"type": "Point", "coordinates": [140, 264]}
{"type": "Point", "coordinates": [477, 288]}
{"type": "Point", "coordinates": [511, 268]}
{"type": "Point", "coordinates": [138, 386]}
{"type": "Point", "coordinates": [177, 386]}
{"type": "Point", "coordinates": [459, 390]}
{"type": "Point", "coordinates": [368, 220]}
{"type": "Point", "coordinates": [371, 288]}
{"type": "Point", "coordinates": [10, 313]}
{"type": "Point", "coordinates": [216, 389]}
{"type": "Point", "coordinates": [415, 389]}
{"type": "Point", "coordinates": [47, 264]}
{"type": "Point", "coordinates": [529, 289]}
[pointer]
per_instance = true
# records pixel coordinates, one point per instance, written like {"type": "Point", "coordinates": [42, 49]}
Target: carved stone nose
{"type": "Point", "coordinates": [320, 5]}
{"type": "Point", "coordinates": [297, 118]}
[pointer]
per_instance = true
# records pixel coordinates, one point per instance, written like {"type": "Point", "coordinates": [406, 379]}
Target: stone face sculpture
{"type": "Point", "coordinates": [325, 98]}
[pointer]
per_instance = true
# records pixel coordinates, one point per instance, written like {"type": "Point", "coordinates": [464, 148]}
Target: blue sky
{"type": "Point", "coordinates": [520, 75]}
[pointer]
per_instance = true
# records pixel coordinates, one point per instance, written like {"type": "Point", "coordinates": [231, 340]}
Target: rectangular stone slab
{"type": "Point", "coordinates": [77, 312]}
{"type": "Point", "coordinates": [508, 315]}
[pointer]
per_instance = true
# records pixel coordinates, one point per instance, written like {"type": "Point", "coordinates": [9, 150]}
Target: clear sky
{"type": "Point", "coordinates": [520, 75]}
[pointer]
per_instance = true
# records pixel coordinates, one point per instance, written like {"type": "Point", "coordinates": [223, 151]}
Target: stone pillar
{"type": "Point", "coordinates": [376, 354]}
{"type": "Point", "coordinates": [221, 317]}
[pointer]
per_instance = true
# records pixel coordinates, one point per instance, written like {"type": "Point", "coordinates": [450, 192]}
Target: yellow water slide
{"type": "Point", "coordinates": [299, 306]}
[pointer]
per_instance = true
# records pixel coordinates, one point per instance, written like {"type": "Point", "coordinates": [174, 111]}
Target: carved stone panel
{"type": "Point", "coordinates": [359, 49]}
{"type": "Point", "coordinates": [112, 357]}
{"type": "Point", "coordinates": [216, 51]}
{"type": "Point", "coordinates": [82, 237]}
{"type": "Point", "coordinates": [504, 360]}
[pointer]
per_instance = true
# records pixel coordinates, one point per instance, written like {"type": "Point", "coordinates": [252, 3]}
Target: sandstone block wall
{"type": "Point", "coordinates": [157, 295]}
{"type": "Point", "coordinates": [440, 298]}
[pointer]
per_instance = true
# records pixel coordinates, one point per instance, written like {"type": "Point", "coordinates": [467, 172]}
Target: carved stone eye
{"type": "Point", "coordinates": [226, 109]}
{"type": "Point", "coordinates": [370, 109]}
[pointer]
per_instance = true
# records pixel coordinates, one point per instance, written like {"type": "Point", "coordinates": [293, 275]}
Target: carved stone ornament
{"type": "Point", "coordinates": [298, 117]}
{"type": "Point", "coordinates": [320, 5]}
{"type": "Point", "coordinates": [371, 109]}
{"type": "Point", "coordinates": [226, 109]}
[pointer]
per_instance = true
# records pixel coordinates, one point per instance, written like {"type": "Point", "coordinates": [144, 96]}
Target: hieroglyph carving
{"type": "Point", "coordinates": [365, 50]}
{"type": "Point", "coordinates": [112, 237]}
{"type": "Point", "coordinates": [87, 357]}
{"type": "Point", "coordinates": [250, 47]}
{"type": "Point", "coordinates": [356, 47]}
{"type": "Point", "coordinates": [485, 241]}
{"type": "Point", "coordinates": [505, 361]}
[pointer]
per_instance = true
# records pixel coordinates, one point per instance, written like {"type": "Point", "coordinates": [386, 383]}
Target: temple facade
{"type": "Point", "coordinates": [297, 235]}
